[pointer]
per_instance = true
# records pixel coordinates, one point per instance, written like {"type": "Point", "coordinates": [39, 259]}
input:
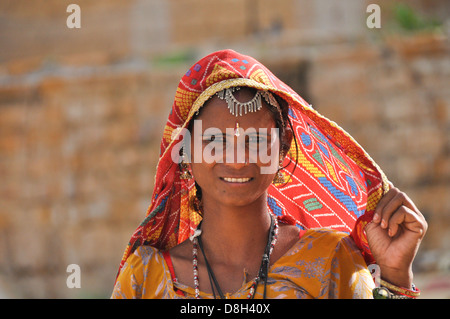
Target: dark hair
{"type": "Point", "coordinates": [283, 124]}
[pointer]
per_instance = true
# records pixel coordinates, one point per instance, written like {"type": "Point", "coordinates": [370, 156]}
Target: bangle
{"type": "Point", "coordinates": [384, 293]}
{"type": "Point", "coordinates": [414, 293]}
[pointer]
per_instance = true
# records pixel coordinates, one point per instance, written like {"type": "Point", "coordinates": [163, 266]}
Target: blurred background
{"type": "Point", "coordinates": [82, 112]}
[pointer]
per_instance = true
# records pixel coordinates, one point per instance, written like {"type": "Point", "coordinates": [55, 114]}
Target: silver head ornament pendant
{"type": "Point", "coordinates": [241, 108]}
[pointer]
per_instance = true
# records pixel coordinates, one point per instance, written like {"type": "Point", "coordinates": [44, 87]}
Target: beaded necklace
{"type": "Point", "coordinates": [263, 270]}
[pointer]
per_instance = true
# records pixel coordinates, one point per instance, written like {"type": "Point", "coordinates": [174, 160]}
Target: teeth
{"type": "Point", "coordinates": [236, 180]}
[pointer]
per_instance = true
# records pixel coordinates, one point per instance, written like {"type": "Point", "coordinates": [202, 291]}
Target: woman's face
{"type": "Point", "coordinates": [234, 170]}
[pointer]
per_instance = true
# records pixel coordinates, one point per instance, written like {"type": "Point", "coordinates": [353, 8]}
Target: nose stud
{"type": "Point", "coordinates": [236, 129]}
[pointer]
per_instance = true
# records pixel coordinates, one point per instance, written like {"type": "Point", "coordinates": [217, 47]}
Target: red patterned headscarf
{"type": "Point", "coordinates": [335, 184]}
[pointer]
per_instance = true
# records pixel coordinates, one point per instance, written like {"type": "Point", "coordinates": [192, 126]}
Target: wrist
{"type": "Point", "coordinates": [398, 277]}
{"type": "Point", "coordinates": [399, 291]}
{"type": "Point", "coordinates": [393, 283]}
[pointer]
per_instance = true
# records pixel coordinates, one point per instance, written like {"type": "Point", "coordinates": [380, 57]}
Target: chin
{"type": "Point", "coordinates": [238, 200]}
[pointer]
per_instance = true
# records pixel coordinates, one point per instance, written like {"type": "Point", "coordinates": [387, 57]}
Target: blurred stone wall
{"type": "Point", "coordinates": [82, 112]}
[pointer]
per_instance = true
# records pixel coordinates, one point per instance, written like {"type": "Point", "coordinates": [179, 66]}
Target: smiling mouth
{"type": "Point", "coordinates": [236, 180]}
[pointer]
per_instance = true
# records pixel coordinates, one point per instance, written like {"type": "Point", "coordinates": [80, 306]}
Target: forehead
{"type": "Point", "coordinates": [215, 113]}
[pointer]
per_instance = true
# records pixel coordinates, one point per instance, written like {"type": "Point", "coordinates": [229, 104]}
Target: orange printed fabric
{"type": "Point", "coordinates": [323, 264]}
{"type": "Point", "coordinates": [335, 183]}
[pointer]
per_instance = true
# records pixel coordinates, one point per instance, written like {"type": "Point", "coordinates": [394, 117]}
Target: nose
{"type": "Point", "coordinates": [237, 153]}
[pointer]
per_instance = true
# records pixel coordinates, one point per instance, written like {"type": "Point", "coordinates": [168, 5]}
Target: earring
{"type": "Point", "coordinates": [184, 167]}
{"type": "Point", "coordinates": [279, 177]}
{"type": "Point", "coordinates": [185, 174]}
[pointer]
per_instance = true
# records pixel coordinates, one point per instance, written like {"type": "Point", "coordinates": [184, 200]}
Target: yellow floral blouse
{"type": "Point", "coordinates": [322, 264]}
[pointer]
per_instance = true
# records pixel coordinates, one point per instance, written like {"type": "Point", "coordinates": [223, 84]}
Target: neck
{"type": "Point", "coordinates": [233, 234]}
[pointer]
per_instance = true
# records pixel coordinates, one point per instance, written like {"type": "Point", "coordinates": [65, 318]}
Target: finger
{"type": "Point", "coordinates": [397, 200]}
{"type": "Point", "coordinates": [410, 220]}
{"type": "Point", "coordinates": [407, 202]}
{"type": "Point", "coordinates": [396, 219]}
{"type": "Point", "coordinates": [382, 203]}
{"type": "Point", "coordinates": [416, 214]}
{"type": "Point", "coordinates": [410, 204]}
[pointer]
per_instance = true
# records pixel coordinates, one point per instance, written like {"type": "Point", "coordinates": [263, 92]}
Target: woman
{"type": "Point", "coordinates": [224, 223]}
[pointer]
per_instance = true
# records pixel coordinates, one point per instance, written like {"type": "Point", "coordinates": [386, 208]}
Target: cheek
{"type": "Point", "coordinates": [268, 163]}
{"type": "Point", "coordinates": [265, 180]}
{"type": "Point", "coordinates": [198, 171]}
{"type": "Point", "coordinates": [202, 174]}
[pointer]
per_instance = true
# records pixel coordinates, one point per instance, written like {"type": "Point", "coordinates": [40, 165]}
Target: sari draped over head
{"type": "Point", "coordinates": [335, 183]}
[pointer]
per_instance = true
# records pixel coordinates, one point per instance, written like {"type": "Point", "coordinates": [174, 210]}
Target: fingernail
{"type": "Point", "coordinates": [383, 224]}
{"type": "Point", "coordinates": [376, 218]}
{"type": "Point", "coordinates": [390, 233]}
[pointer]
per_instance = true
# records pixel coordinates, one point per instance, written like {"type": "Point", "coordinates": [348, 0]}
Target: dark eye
{"type": "Point", "coordinates": [213, 138]}
{"type": "Point", "coordinates": [256, 139]}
